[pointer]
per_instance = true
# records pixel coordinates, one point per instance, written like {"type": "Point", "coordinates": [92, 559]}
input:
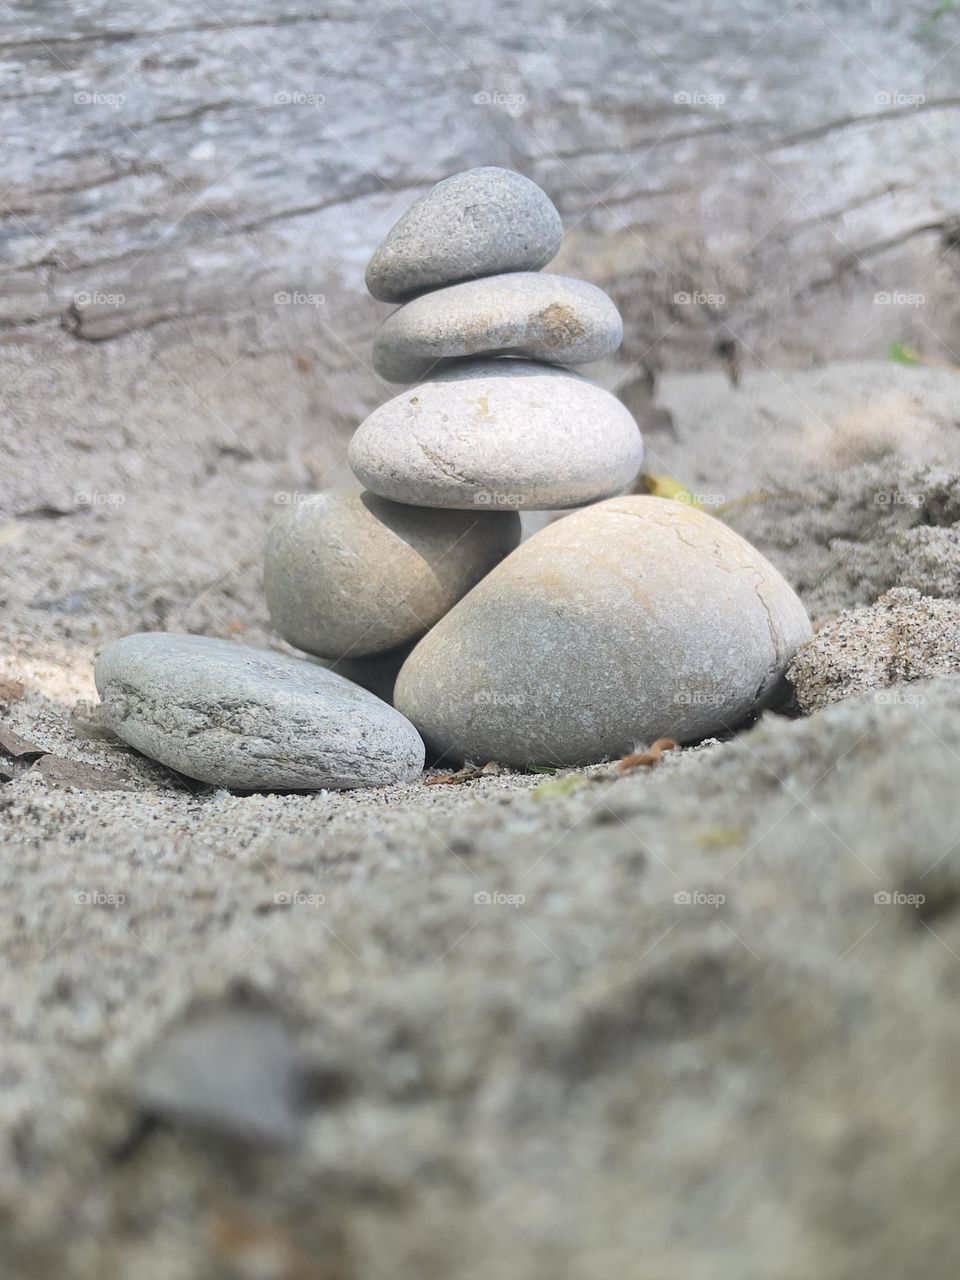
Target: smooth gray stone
{"type": "Point", "coordinates": [475, 223]}
{"type": "Point", "coordinates": [491, 434]}
{"type": "Point", "coordinates": [239, 717]}
{"type": "Point", "coordinates": [541, 317]}
{"type": "Point", "coordinates": [348, 574]}
{"type": "Point", "coordinates": [633, 620]}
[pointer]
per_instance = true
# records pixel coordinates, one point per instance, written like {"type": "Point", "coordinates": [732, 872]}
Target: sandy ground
{"type": "Point", "coordinates": [288, 1036]}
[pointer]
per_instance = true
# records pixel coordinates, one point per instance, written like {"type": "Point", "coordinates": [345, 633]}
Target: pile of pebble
{"type": "Point", "coordinates": [634, 618]}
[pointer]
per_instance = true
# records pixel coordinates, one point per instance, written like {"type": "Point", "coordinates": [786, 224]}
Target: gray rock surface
{"type": "Point", "coordinates": [348, 574]}
{"type": "Point", "coordinates": [279, 147]}
{"type": "Point", "coordinates": [636, 619]}
{"type": "Point", "coordinates": [476, 223]}
{"type": "Point", "coordinates": [884, 647]}
{"type": "Point", "coordinates": [541, 317]}
{"type": "Point", "coordinates": [499, 433]}
{"type": "Point", "coordinates": [239, 717]}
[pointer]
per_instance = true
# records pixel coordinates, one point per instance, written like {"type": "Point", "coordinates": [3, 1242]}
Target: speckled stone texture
{"type": "Point", "coordinates": [476, 223]}
{"type": "Point", "coordinates": [631, 620]}
{"type": "Point", "coordinates": [348, 574]}
{"type": "Point", "coordinates": [542, 317]}
{"type": "Point", "coordinates": [246, 718]}
{"type": "Point", "coordinates": [499, 433]}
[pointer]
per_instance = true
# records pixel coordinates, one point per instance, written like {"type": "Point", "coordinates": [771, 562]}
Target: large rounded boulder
{"type": "Point", "coordinates": [635, 619]}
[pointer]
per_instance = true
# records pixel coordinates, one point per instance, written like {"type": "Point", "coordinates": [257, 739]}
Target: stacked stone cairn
{"type": "Point", "coordinates": [631, 619]}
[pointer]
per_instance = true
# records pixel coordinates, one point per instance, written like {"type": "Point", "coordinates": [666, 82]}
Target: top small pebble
{"type": "Point", "coordinates": [481, 222]}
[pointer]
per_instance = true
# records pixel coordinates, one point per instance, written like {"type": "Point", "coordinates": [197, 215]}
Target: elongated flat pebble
{"type": "Point", "coordinates": [348, 574]}
{"type": "Point", "coordinates": [636, 619]}
{"type": "Point", "coordinates": [475, 223]}
{"type": "Point", "coordinates": [239, 717]}
{"type": "Point", "coordinates": [542, 317]}
{"type": "Point", "coordinates": [499, 433]}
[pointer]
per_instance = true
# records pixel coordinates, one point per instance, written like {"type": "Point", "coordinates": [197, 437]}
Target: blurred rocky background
{"type": "Point", "coordinates": [760, 183]}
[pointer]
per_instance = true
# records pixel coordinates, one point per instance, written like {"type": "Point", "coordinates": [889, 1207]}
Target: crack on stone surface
{"type": "Point", "coordinates": [446, 469]}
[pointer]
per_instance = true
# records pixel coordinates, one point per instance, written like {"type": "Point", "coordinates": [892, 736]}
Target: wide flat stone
{"type": "Point", "coordinates": [633, 620]}
{"type": "Point", "coordinates": [476, 223]}
{"type": "Point", "coordinates": [491, 434]}
{"type": "Point", "coordinates": [347, 573]}
{"type": "Point", "coordinates": [541, 317]}
{"type": "Point", "coordinates": [239, 717]}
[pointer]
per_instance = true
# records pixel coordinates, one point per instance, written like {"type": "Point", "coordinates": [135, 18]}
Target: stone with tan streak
{"type": "Point", "coordinates": [635, 619]}
{"type": "Point", "coordinates": [541, 317]}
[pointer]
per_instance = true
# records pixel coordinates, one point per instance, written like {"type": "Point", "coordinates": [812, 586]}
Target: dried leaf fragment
{"type": "Point", "coordinates": [646, 759]}
{"type": "Point", "coordinates": [555, 788]}
{"type": "Point", "coordinates": [11, 690]}
{"type": "Point", "coordinates": [58, 771]}
{"type": "Point", "coordinates": [18, 748]}
{"type": "Point", "coordinates": [664, 486]}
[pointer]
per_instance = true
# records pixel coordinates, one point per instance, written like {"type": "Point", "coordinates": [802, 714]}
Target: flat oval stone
{"type": "Point", "coordinates": [475, 223]}
{"type": "Point", "coordinates": [234, 716]}
{"type": "Point", "coordinates": [629, 621]}
{"type": "Point", "coordinates": [348, 574]}
{"type": "Point", "coordinates": [499, 433]}
{"type": "Point", "coordinates": [542, 317]}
